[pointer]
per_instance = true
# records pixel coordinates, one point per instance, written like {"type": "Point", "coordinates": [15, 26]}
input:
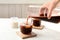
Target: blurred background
{"type": "Point", "coordinates": [20, 8]}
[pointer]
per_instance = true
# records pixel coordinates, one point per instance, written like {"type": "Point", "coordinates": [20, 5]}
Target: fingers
{"type": "Point", "coordinates": [50, 11]}
{"type": "Point", "coordinates": [44, 11]}
{"type": "Point", "coordinates": [49, 14]}
{"type": "Point", "coordinates": [47, 11]}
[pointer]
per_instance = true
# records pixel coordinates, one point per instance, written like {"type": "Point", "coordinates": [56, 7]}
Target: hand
{"type": "Point", "coordinates": [48, 8]}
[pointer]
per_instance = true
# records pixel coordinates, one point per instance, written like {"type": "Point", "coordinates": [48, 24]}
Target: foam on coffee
{"type": "Point", "coordinates": [28, 26]}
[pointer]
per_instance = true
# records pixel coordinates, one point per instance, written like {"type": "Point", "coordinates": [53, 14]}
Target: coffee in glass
{"type": "Point", "coordinates": [26, 29]}
{"type": "Point", "coordinates": [36, 22]}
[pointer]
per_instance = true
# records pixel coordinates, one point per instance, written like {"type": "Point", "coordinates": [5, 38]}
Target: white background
{"type": "Point", "coordinates": [24, 1]}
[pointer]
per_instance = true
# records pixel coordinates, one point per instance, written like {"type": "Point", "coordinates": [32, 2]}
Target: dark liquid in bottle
{"type": "Point", "coordinates": [36, 22]}
{"type": "Point", "coordinates": [26, 29]}
{"type": "Point", "coordinates": [54, 19]}
{"type": "Point", "coordinates": [43, 14]}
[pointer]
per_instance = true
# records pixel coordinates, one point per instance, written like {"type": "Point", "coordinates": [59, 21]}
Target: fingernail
{"type": "Point", "coordinates": [49, 17]}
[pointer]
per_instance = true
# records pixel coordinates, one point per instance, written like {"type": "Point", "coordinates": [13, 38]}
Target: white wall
{"type": "Point", "coordinates": [9, 8]}
{"type": "Point", "coordinates": [23, 1]}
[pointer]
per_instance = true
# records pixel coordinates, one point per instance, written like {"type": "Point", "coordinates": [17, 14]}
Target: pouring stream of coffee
{"type": "Point", "coordinates": [27, 20]}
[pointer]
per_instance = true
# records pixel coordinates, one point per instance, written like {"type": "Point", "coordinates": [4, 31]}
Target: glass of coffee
{"type": "Point", "coordinates": [26, 29]}
{"type": "Point", "coordinates": [36, 22]}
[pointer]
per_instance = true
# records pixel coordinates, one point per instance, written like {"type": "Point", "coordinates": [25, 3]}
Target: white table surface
{"type": "Point", "coordinates": [50, 32]}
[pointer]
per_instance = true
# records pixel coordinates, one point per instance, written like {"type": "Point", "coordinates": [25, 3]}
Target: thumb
{"type": "Point", "coordinates": [49, 14]}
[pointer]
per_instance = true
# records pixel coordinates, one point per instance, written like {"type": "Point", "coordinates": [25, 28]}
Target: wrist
{"type": "Point", "coordinates": [56, 1]}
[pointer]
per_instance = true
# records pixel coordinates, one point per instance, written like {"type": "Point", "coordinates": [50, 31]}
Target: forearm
{"type": "Point", "coordinates": [55, 1]}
